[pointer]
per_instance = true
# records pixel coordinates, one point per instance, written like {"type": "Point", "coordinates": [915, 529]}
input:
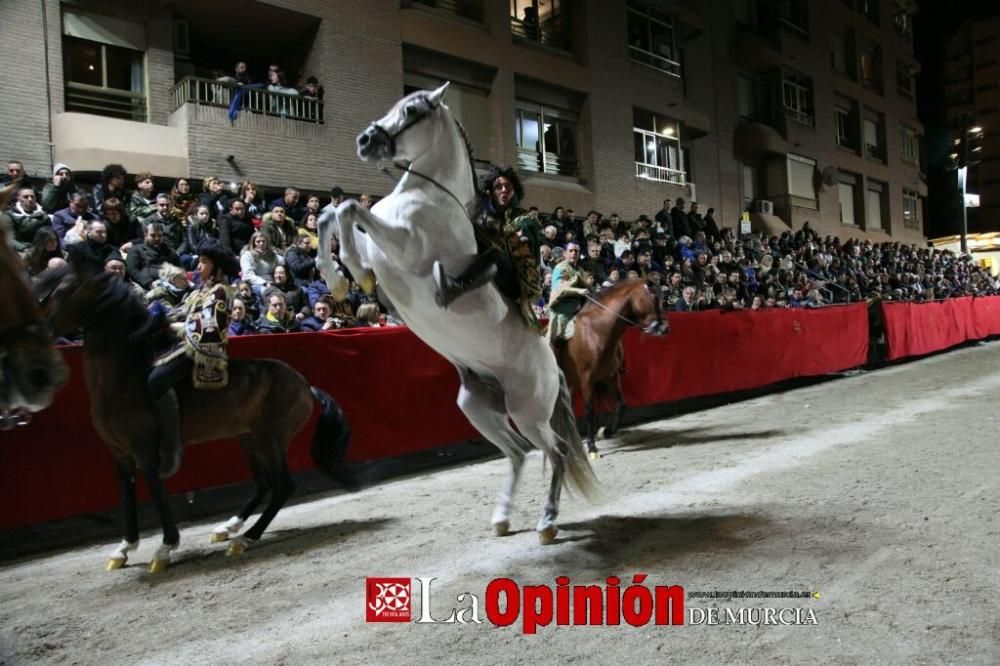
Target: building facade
{"type": "Point", "coordinates": [799, 111]}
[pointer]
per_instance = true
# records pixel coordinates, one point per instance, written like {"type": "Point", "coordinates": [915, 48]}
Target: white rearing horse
{"type": "Point", "coordinates": [506, 369]}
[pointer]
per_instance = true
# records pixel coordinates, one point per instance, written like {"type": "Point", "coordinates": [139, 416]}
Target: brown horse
{"type": "Point", "coordinates": [592, 358]}
{"type": "Point", "coordinates": [31, 370]}
{"type": "Point", "coordinates": [264, 405]}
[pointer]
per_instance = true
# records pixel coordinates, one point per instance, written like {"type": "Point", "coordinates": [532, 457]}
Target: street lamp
{"type": "Point", "coordinates": [968, 135]}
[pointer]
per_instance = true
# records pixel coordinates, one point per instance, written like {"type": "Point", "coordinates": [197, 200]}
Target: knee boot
{"type": "Point", "coordinates": [170, 433]}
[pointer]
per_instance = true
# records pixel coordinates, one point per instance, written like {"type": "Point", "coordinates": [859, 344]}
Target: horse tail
{"type": "Point", "coordinates": [578, 470]}
{"type": "Point", "coordinates": [329, 444]}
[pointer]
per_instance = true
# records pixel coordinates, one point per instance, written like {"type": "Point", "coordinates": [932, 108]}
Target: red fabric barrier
{"type": "Point", "coordinates": [716, 352]}
{"type": "Point", "coordinates": [986, 317]}
{"type": "Point", "coordinates": [400, 397]}
{"type": "Point", "coordinates": [914, 329]}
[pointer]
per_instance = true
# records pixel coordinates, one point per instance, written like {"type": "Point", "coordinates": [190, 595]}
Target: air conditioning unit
{"type": "Point", "coordinates": [692, 191]}
{"type": "Point", "coordinates": [763, 206]}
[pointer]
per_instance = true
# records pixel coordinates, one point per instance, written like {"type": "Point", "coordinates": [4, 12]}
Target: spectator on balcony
{"type": "Point", "coordinates": [122, 230]}
{"type": "Point", "coordinates": [94, 251]}
{"type": "Point", "coordinates": [239, 322]}
{"type": "Point", "coordinates": [276, 83]}
{"type": "Point", "coordinates": [27, 218]}
{"type": "Point", "coordinates": [279, 229]}
{"type": "Point", "coordinates": [200, 228]}
{"type": "Point", "coordinates": [240, 76]}
{"type": "Point", "coordinates": [300, 262]}
{"type": "Point", "coordinates": [277, 319]}
{"type": "Point", "coordinates": [312, 89]}
{"type": "Point", "coordinates": [680, 224]}
{"type": "Point", "coordinates": [336, 196]}
{"type": "Point", "coordinates": [77, 212]}
{"type": "Point", "coordinates": [141, 203]}
{"type": "Point", "coordinates": [112, 185]}
{"type": "Point", "coordinates": [235, 227]}
{"type": "Point", "coordinates": [530, 22]}
{"type": "Point", "coordinates": [44, 247]}
{"type": "Point", "coordinates": [146, 258]}
{"type": "Point", "coordinates": [56, 194]}
{"type": "Point", "coordinates": [212, 195]}
{"type": "Point", "coordinates": [258, 261]}
{"type": "Point", "coordinates": [183, 198]}
{"type": "Point", "coordinates": [290, 203]}
{"type": "Point", "coordinates": [173, 228]}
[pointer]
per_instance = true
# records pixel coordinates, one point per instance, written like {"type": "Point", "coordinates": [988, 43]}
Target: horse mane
{"type": "Point", "coordinates": [468, 149]}
{"type": "Point", "coordinates": [609, 293]}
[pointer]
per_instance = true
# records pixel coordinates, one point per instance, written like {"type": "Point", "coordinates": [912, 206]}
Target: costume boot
{"type": "Point", "coordinates": [170, 434]}
{"type": "Point", "coordinates": [480, 273]}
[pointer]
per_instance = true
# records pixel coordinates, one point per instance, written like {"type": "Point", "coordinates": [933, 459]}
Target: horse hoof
{"type": "Point", "coordinates": [594, 455]}
{"type": "Point", "coordinates": [158, 566]}
{"type": "Point", "coordinates": [501, 529]}
{"type": "Point", "coordinates": [548, 535]}
{"type": "Point", "coordinates": [115, 563]}
{"type": "Point", "coordinates": [219, 537]}
{"type": "Point", "coordinates": [236, 548]}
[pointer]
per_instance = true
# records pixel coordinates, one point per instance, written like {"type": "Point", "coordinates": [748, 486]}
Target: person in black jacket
{"type": "Point", "coordinates": [123, 232]}
{"type": "Point", "coordinates": [299, 261]}
{"type": "Point", "coordinates": [199, 228]}
{"type": "Point", "coordinates": [235, 227]}
{"type": "Point", "coordinates": [112, 185]}
{"type": "Point", "coordinates": [94, 251]}
{"type": "Point", "coordinates": [145, 259]}
{"type": "Point", "coordinates": [681, 224]}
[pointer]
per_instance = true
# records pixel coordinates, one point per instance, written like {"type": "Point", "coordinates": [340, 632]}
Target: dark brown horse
{"type": "Point", "coordinates": [264, 405]}
{"type": "Point", "coordinates": [592, 358]}
{"type": "Point", "coordinates": [31, 370]}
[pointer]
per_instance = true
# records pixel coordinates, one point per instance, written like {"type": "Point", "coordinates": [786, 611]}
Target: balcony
{"type": "Point", "coordinates": [260, 101]}
{"type": "Point", "coordinates": [660, 63]}
{"type": "Point", "coordinates": [549, 163]}
{"type": "Point", "coordinates": [659, 174]}
{"type": "Point", "coordinates": [801, 117]}
{"type": "Point", "coordinates": [471, 10]}
{"type": "Point", "coordinates": [108, 102]}
{"type": "Point", "coordinates": [552, 33]}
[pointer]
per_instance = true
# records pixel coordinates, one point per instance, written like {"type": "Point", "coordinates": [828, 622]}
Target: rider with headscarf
{"type": "Point", "coordinates": [507, 238]}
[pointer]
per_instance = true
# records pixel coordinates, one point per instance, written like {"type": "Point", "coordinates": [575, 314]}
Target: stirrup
{"type": "Point", "coordinates": [449, 288]}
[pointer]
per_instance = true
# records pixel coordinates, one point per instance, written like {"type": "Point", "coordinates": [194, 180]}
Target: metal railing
{"type": "Point", "coordinates": [210, 92]}
{"type": "Point", "coordinates": [660, 174]}
{"type": "Point", "coordinates": [665, 65]}
{"type": "Point", "coordinates": [98, 101]}
{"type": "Point", "coordinates": [550, 163]}
{"type": "Point", "coordinates": [469, 9]}
{"type": "Point", "coordinates": [788, 200]}
{"type": "Point", "coordinates": [800, 117]}
{"type": "Point", "coordinates": [557, 39]}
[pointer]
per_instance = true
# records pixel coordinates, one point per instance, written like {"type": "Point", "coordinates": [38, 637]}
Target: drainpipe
{"type": "Point", "coordinates": [48, 82]}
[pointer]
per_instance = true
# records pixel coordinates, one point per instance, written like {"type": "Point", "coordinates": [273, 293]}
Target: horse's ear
{"type": "Point", "coordinates": [438, 95]}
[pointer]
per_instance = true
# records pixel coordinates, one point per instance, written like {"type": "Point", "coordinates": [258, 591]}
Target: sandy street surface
{"type": "Point", "coordinates": [880, 491]}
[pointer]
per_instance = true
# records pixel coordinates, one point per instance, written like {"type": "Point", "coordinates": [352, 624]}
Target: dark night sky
{"type": "Point", "coordinates": [934, 23]}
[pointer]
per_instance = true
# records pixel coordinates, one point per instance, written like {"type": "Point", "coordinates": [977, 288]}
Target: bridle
{"type": "Point", "coordinates": [657, 326]}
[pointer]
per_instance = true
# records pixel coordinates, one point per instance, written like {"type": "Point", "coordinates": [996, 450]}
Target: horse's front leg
{"type": "Point", "coordinates": [130, 515]}
{"type": "Point", "coordinates": [171, 537]}
{"type": "Point", "coordinates": [591, 417]}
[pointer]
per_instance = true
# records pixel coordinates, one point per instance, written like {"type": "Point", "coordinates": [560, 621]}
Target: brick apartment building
{"type": "Point", "coordinates": [802, 111]}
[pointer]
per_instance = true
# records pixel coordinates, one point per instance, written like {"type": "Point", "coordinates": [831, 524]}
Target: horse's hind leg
{"type": "Point", "coordinates": [274, 469]}
{"type": "Point", "coordinates": [619, 408]}
{"type": "Point", "coordinates": [130, 515]}
{"type": "Point", "coordinates": [591, 418]}
{"type": "Point", "coordinates": [482, 402]}
{"type": "Point", "coordinates": [233, 526]}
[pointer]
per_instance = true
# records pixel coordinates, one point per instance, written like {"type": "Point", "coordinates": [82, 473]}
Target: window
{"type": "Point", "coordinates": [469, 104]}
{"type": "Point", "coordinates": [910, 203]}
{"type": "Point", "coordinates": [796, 93]}
{"type": "Point", "coordinates": [840, 58]}
{"type": "Point", "coordinates": [870, 9]}
{"type": "Point", "coordinates": [543, 21]}
{"type": "Point", "coordinates": [845, 190]}
{"type": "Point", "coordinates": [792, 14]}
{"type": "Point", "coordinates": [902, 20]}
{"type": "Point", "coordinates": [546, 139]}
{"type": "Point", "coordinates": [746, 97]}
{"type": "Point", "coordinates": [873, 205]}
{"type": "Point", "coordinates": [874, 135]}
{"type": "Point", "coordinates": [908, 144]}
{"type": "Point", "coordinates": [749, 178]}
{"type": "Point", "coordinates": [870, 65]}
{"type": "Point", "coordinates": [845, 113]}
{"type": "Point", "coordinates": [105, 66]}
{"type": "Point", "coordinates": [904, 80]}
{"type": "Point", "coordinates": [801, 174]}
{"type": "Point", "coordinates": [657, 143]}
{"type": "Point", "coordinates": [651, 39]}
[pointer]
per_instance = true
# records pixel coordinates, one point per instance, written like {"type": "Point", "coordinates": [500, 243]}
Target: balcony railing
{"type": "Point", "coordinates": [210, 92]}
{"type": "Point", "coordinates": [99, 101]}
{"type": "Point", "coordinates": [665, 65]}
{"type": "Point", "coordinates": [557, 39]}
{"type": "Point", "coordinates": [659, 174]}
{"type": "Point", "coordinates": [530, 160]}
{"type": "Point", "coordinates": [785, 201]}
{"type": "Point", "coordinates": [468, 9]}
{"type": "Point", "coordinates": [800, 117]}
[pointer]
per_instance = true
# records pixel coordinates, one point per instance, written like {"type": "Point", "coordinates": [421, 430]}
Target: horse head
{"type": "Point", "coordinates": [650, 311]}
{"type": "Point", "coordinates": [31, 369]}
{"type": "Point", "coordinates": [402, 135]}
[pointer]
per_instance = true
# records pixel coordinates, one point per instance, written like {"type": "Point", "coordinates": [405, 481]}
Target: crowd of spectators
{"type": "Point", "coordinates": [149, 238]}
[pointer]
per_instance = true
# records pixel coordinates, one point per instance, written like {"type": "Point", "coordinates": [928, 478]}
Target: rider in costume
{"type": "Point", "coordinates": [200, 352]}
{"type": "Point", "coordinates": [570, 287]}
{"type": "Point", "coordinates": [507, 238]}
